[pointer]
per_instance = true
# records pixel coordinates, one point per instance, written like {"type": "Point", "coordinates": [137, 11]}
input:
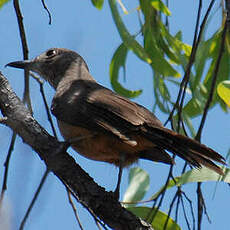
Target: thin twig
{"type": "Point", "coordinates": [34, 199]}
{"type": "Point", "coordinates": [189, 67]}
{"type": "Point", "coordinates": [177, 210]}
{"type": "Point", "coordinates": [41, 83]}
{"type": "Point", "coordinates": [98, 224]}
{"type": "Point", "coordinates": [199, 206]}
{"type": "Point", "coordinates": [89, 210]}
{"type": "Point", "coordinates": [213, 84]}
{"type": "Point", "coordinates": [185, 215]}
{"type": "Point", "coordinates": [184, 168]}
{"type": "Point", "coordinates": [196, 41]}
{"type": "Point", "coordinates": [6, 165]}
{"type": "Point", "coordinates": [162, 194]}
{"type": "Point", "coordinates": [26, 95]}
{"type": "Point", "coordinates": [37, 78]}
{"type": "Point", "coordinates": [74, 208]}
{"type": "Point", "coordinates": [47, 10]}
{"type": "Point", "coordinates": [48, 111]}
{"type": "Point", "coordinates": [191, 207]}
{"type": "Point", "coordinates": [176, 196]}
{"type": "Point", "coordinates": [206, 212]}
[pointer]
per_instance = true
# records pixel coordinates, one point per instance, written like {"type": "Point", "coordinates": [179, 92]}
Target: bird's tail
{"type": "Point", "coordinates": [188, 149]}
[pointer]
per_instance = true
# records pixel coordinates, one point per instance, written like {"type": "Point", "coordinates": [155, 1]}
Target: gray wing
{"type": "Point", "coordinates": [92, 106]}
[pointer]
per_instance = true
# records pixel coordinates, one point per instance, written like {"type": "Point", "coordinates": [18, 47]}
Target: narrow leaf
{"type": "Point", "coordinates": [2, 2]}
{"type": "Point", "coordinates": [98, 3]}
{"type": "Point", "coordinates": [223, 90]}
{"type": "Point", "coordinates": [197, 175]}
{"type": "Point", "coordinates": [129, 40]}
{"type": "Point", "coordinates": [160, 6]}
{"type": "Point", "coordinates": [158, 221]}
{"type": "Point", "coordinates": [159, 64]}
{"type": "Point", "coordinates": [161, 100]}
{"type": "Point", "coordinates": [117, 62]}
{"type": "Point", "coordinates": [138, 185]}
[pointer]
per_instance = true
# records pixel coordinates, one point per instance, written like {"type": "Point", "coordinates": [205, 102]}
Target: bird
{"type": "Point", "coordinates": [104, 126]}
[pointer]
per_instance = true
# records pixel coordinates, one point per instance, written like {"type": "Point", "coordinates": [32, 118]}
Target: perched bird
{"type": "Point", "coordinates": [104, 126]}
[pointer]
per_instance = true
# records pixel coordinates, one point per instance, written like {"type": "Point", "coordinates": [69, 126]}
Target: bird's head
{"type": "Point", "coordinates": [53, 64]}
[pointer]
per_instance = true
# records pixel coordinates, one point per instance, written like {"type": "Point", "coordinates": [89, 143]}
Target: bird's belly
{"type": "Point", "coordinates": [100, 146]}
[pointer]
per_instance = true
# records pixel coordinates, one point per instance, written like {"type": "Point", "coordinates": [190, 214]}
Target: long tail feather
{"type": "Point", "coordinates": [188, 149]}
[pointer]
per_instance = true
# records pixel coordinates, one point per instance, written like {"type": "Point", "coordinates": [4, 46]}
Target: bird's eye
{"type": "Point", "coordinates": [51, 53]}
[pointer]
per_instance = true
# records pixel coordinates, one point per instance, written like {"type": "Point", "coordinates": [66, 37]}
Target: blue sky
{"type": "Point", "coordinates": [79, 26]}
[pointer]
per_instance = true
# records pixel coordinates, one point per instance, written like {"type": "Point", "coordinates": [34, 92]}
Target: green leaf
{"type": "Point", "coordinates": [160, 6]}
{"type": "Point", "coordinates": [2, 2]}
{"type": "Point", "coordinates": [138, 185]}
{"type": "Point", "coordinates": [203, 175]}
{"type": "Point", "coordinates": [161, 94]}
{"type": "Point", "coordinates": [129, 40]}
{"type": "Point", "coordinates": [201, 90]}
{"type": "Point", "coordinates": [189, 124]}
{"type": "Point", "coordinates": [174, 41]}
{"type": "Point", "coordinates": [118, 61]}
{"type": "Point", "coordinates": [155, 43]}
{"type": "Point", "coordinates": [178, 35]}
{"type": "Point", "coordinates": [158, 221]}
{"type": "Point", "coordinates": [164, 90]}
{"type": "Point", "coordinates": [223, 90]}
{"type": "Point", "coordinates": [224, 68]}
{"type": "Point", "coordinates": [98, 3]}
{"type": "Point", "coordinates": [201, 60]}
{"type": "Point", "coordinates": [159, 63]}
{"type": "Point", "coordinates": [197, 175]}
{"type": "Point", "coordinates": [196, 105]}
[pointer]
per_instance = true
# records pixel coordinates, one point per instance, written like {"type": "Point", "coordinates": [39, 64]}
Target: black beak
{"type": "Point", "coordinates": [20, 64]}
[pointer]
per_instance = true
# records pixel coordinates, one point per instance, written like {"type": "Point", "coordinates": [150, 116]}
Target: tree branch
{"type": "Point", "coordinates": [93, 197]}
